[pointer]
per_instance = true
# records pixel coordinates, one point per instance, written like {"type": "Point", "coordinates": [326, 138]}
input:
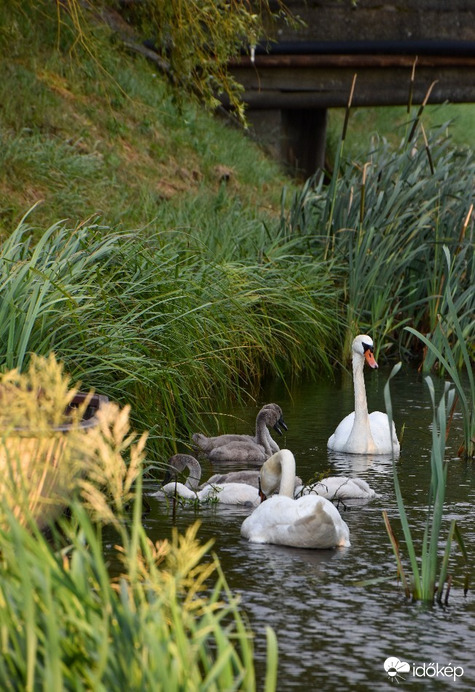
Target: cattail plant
{"type": "Point", "coordinates": [428, 575]}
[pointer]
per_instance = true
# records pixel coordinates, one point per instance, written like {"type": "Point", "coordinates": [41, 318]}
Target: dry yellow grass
{"type": "Point", "coordinates": [46, 453]}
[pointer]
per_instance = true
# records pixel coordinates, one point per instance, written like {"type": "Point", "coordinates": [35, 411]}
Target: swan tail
{"type": "Point", "coordinates": [321, 528]}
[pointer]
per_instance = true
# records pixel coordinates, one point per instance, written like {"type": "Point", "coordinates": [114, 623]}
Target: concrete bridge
{"type": "Point", "coordinates": [401, 52]}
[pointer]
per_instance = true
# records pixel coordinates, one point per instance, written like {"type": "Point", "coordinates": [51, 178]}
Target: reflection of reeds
{"type": "Point", "coordinates": [429, 572]}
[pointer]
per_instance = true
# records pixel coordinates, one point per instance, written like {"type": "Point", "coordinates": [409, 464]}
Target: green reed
{"type": "Point", "coordinates": [450, 345]}
{"type": "Point", "coordinates": [153, 617]}
{"type": "Point", "coordinates": [163, 320]}
{"type": "Point", "coordinates": [94, 603]}
{"type": "Point", "coordinates": [428, 570]}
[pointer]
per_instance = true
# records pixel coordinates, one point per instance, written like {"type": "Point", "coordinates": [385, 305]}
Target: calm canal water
{"type": "Point", "coordinates": [334, 630]}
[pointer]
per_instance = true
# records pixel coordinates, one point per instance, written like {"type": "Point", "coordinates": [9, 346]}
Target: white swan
{"type": "Point", "coordinates": [245, 447]}
{"type": "Point", "coordinates": [338, 488]}
{"type": "Point", "coordinates": [230, 493]}
{"type": "Point", "coordinates": [310, 521]}
{"type": "Point", "coordinates": [226, 494]}
{"type": "Point", "coordinates": [360, 432]}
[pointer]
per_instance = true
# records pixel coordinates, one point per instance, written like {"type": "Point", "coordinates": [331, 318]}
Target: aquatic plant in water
{"type": "Point", "coordinates": [450, 342]}
{"type": "Point", "coordinates": [429, 573]}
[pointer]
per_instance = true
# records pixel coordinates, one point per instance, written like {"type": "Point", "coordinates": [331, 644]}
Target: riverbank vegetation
{"type": "Point", "coordinates": [171, 266]}
{"type": "Point", "coordinates": [428, 577]}
{"type": "Point", "coordinates": [187, 264]}
{"type": "Point", "coordinates": [156, 615]}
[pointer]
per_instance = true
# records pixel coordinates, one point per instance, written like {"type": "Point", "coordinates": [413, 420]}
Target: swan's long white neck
{"type": "Point", "coordinates": [361, 403]}
{"type": "Point", "coordinates": [287, 480]}
{"type": "Point", "coordinates": [361, 430]}
{"type": "Point", "coordinates": [279, 472]}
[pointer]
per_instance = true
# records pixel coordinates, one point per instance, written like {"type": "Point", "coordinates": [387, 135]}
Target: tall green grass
{"type": "Point", "coordinates": [79, 614]}
{"type": "Point", "coordinates": [164, 619]}
{"type": "Point", "coordinates": [451, 344]}
{"type": "Point", "coordinates": [171, 323]}
{"type": "Point", "coordinates": [428, 570]}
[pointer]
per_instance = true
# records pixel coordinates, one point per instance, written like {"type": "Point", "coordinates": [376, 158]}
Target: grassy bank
{"type": "Point", "coordinates": [177, 278]}
{"type": "Point", "coordinates": [169, 284]}
{"type": "Point", "coordinates": [93, 129]}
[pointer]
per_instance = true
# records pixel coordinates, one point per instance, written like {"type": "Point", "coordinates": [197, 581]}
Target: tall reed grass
{"type": "Point", "coordinates": [382, 225]}
{"type": "Point", "coordinates": [429, 574]}
{"type": "Point", "coordinates": [165, 321]}
{"type": "Point", "coordinates": [451, 344]}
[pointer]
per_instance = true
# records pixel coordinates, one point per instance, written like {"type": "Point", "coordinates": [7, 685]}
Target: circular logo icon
{"type": "Point", "coordinates": [394, 667]}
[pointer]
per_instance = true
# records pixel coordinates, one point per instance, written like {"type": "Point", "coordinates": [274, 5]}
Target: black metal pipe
{"type": "Point", "coordinates": [409, 47]}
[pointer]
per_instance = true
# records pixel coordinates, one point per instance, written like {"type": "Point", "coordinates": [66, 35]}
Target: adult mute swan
{"type": "Point", "coordinates": [245, 447]}
{"type": "Point", "coordinates": [230, 493]}
{"type": "Point", "coordinates": [360, 432]}
{"type": "Point", "coordinates": [310, 521]}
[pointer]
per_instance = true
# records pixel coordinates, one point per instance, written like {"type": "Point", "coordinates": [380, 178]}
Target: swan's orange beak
{"type": "Point", "coordinates": [369, 356]}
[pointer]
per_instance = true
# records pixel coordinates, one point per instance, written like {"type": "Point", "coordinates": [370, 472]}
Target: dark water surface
{"type": "Point", "coordinates": [334, 632]}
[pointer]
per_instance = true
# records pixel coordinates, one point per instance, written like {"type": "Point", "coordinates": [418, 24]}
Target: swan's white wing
{"type": "Point", "coordinates": [170, 489]}
{"type": "Point", "coordinates": [338, 440]}
{"type": "Point", "coordinates": [339, 488]}
{"type": "Point", "coordinates": [309, 522]}
{"type": "Point", "coordinates": [379, 424]}
{"type": "Point", "coordinates": [231, 494]}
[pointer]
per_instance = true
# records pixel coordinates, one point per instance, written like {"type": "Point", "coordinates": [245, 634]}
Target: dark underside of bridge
{"type": "Point", "coordinates": [405, 53]}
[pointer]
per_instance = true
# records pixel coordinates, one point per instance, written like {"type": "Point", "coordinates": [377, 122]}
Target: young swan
{"type": "Point", "coordinates": [245, 447]}
{"type": "Point", "coordinates": [360, 432]}
{"type": "Point", "coordinates": [235, 491]}
{"type": "Point", "coordinates": [310, 521]}
{"type": "Point", "coordinates": [179, 463]}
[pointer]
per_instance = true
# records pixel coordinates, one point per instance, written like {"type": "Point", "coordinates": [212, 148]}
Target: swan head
{"type": "Point", "coordinates": [363, 346]}
{"type": "Point", "coordinates": [273, 417]}
{"type": "Point", "coordinates": [177, 464]}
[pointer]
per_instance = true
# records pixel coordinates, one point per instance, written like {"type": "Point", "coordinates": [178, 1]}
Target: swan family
{"type": "Point", "coordinates": [285, 511]}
